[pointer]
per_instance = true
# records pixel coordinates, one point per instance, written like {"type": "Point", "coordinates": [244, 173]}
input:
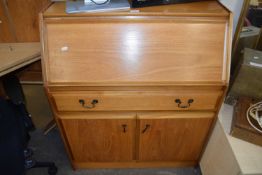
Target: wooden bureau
{"type": "Point", "coordinates": [136, 88]}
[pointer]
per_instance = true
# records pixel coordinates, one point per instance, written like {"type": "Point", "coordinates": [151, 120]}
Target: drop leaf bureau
{"type": "Point", "coordinates": [136, 88]}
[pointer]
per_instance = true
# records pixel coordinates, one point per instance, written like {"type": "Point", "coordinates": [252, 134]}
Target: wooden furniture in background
{"type": "Point", "coordinates": [6, 33]}
{"type": "Point", "coordinates": [32, 74]}
{"type": "Point", "coordinates": [19, 20]}
{"type": "Point", "coordinates": [19, 23]}
{"type": "Point", "coordinates": [17, 55]}
{"type": "Point", "coordinates": [136, 88]}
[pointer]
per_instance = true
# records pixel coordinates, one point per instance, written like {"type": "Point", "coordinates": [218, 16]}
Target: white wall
{"type": "Point", "coordinates": [235, 6]}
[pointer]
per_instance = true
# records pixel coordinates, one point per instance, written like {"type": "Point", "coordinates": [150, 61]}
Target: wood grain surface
{"type": "Point", "coordinates": [135, 52]}
{"type": "Point", "coordinates": [172, 137]}
{"type": "Point", "coordinates": [17, 55]}
{"type": "Point", "coordinates": [100, 140]}
{"type": "Point", "coordinates": [137, 100]}
{"type": "Point", "coordinates": [6, 32]}
{"type": "Point", "coordinates": [24, 16]}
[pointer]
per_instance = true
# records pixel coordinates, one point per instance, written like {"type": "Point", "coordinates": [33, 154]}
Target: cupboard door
{"type": "Point", "coordinates": [172, 136]}
{"type": "Point", "coordinates": [100, 140]}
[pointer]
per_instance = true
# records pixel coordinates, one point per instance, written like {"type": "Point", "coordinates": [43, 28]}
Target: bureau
{"type": "Point", "coordinates": [136, 88]}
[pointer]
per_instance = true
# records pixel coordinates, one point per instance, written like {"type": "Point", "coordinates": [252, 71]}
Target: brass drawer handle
{"type": "Point", "coordinates": [179, 103]}
{"type": "Point", "coordinates": [146, 128]}
{"type": "Point", "coordinates": [93, 103]}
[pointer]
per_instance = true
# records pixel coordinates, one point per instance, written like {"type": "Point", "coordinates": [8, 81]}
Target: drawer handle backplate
{"type": "Point", "coordinates": [93, 104]}
{"type": "Point", "coordinates": [179, 103]}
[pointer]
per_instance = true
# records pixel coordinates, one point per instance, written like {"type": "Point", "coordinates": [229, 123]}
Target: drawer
{"type": "Point", "coordinates": [135, 100]}
{"type": "Point", "coordinates": [134, 52]}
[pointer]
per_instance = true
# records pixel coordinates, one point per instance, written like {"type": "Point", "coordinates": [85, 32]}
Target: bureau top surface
{"type": "Point", "coordinates": [205, 8]}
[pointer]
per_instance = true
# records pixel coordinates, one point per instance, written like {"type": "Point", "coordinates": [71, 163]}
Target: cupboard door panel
{"type": "Point", "coordinates": [172, 136]}
{"type": "Point", "coordinates": [100, 140]}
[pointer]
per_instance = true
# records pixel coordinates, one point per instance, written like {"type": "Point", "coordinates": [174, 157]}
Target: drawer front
{"type": "Point", "coordinates": [129, 100]}
{"type": "Point", "coordinates": [125, 53]}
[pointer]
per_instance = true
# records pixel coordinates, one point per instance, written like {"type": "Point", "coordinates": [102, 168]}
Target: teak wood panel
{"type": "Point", "coordinates": [134, 52]}
{"type": "Point", "coordinates": [100, 140]}
{"type": "Point", "coordinates": [6, 32]}
{"type": "Point", "coordinates": [129, 100]}
{"type": "Point", "coordinates": [173, 137]}
{"type": "Point", "coordinates": [23, 19]}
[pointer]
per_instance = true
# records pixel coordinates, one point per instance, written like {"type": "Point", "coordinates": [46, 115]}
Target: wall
{"type": "Point", "coordinates": [235, 6]}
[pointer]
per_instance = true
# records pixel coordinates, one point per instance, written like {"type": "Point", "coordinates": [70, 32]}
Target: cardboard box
{"type": "Point", "coordinates": [240, 127]}
{"type": "Point", "coordinates": [247, 80]}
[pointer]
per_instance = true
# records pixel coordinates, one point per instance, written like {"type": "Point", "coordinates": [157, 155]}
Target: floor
{"type": "Point", "coordinates": [50, 148]}
{"type": "Point", "coordinates": [37, 104]}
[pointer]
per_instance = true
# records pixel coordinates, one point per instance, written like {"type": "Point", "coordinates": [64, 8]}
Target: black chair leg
{"type": "Point", "coordinates": [52, 169]}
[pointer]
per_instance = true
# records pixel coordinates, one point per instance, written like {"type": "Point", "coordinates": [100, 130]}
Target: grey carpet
{"type": "Point", "coordinates": [51, 148]}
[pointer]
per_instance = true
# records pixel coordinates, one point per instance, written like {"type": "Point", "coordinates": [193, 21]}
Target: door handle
{"type": "Point", "coordinates": [146, 128]}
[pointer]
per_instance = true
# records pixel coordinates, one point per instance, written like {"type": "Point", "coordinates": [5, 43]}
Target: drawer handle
{"type": "Point", "coordinates": [124, 128]}
{"type": "Point", "coordinates": [179, 103]}
{"type": "Point", "coordinates": [93, 103]}
{"type": "Point", "coordinates": [146, 128]}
